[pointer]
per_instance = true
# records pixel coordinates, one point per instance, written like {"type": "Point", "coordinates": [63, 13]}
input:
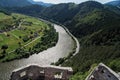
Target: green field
{"type": "Point", "coordinates": [21, 32]}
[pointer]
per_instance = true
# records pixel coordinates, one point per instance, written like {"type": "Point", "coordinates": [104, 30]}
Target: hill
{"type": "Point", "coordinates": [22, 3]}
{"type": "Point", "coordinates": [98, 31]}
{"type": "Point", "coordinates": [92, 16]}
{"type": "Point", "coordinates": [113, 8]}
{"type": "Point", "coordinates": [40, 3]}
{"type": "Point", "coordinates": [4, 11]}
{"type": "Point", "coordinates": [97, 26]}
{"type": "Point", "coordinates": [32, 10]}
{"type": "Point", "coordinates": [14, 3]}
{"type": "Point", "coordinates": [61, 13]}
{"type": "Point", "coordinates": [22, 36]}
{"type": "Point", "coordinates": [114, 3]}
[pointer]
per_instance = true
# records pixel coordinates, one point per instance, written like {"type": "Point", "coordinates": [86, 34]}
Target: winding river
{"type": "Point", "coordinates": [63, 47]}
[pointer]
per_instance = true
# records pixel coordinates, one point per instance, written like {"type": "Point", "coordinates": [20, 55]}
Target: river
{"type": "Point", "coordinates": [63, 47]}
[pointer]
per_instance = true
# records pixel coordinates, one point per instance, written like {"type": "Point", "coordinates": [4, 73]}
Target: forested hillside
{"type": "Point", "coordinates": [60, 12]}
{"type": "Point", "coordinates": [4, 11]}
{"type": "Point", "coordinates": [40, 3]}
{"type": "Point", "coordinates": [33, 10]}
{"type": "Point", "coordinates": [98, 30]}
{"type": "Point", "coordinates": [14, 3]}
{"type": "Point", "coordinates": [97, 26]}
{"type": "Point", "coordinates": [114, 3]}
{"type": "Point", "coordinates": [92, 17]}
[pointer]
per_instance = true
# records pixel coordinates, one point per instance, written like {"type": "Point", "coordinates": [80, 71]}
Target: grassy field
{"type": "Point", "coordinates": [24, 32]}
{"type": "Point", "coordinates": [3, 16]}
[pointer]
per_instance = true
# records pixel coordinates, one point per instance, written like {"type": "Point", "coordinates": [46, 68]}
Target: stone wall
{"type": "Point", "coordinates": [35, 72]}
{"type": "Point", "coordinates": [102, 72]}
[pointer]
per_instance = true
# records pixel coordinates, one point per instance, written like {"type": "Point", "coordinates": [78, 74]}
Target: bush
{"type": "Point", "coordinates": [4, 47]}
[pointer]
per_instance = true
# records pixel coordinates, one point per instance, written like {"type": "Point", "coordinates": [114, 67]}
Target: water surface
{"type": "Point", "coordinates": [63, 47]}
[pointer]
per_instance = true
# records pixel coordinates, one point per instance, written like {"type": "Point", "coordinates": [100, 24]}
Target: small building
{"type": "Point", "coordinates": [102, 72]}
{"type": "Point", "coordinates": [36, 72]}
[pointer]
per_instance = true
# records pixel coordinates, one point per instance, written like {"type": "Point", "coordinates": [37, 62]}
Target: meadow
{"type": "Point", "coordinates": [20, 32]}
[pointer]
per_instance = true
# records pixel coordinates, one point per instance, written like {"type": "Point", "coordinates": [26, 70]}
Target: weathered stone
{"type": "Point", "coordinates": [35, 72]}
{"type": "Point", "coordinates": [102, 72]}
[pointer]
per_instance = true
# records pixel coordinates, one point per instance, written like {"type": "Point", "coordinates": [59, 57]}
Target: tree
{"type": "Point", "coordinates": [19, 43]}
{"type": "Point", "coordinates": [4, 47]}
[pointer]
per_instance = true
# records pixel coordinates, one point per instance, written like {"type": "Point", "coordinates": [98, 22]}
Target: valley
{"type": "Point", "coordinates": [95, 25]}
{"type": "Point", "coordinates": [22, 36]}
{"type": "Point", "coordinates": [64, 46]}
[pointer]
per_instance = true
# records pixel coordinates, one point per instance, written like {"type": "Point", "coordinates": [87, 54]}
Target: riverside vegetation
{"type": "Point", "coordinates": [22, 36]}
{"type": "Point", "coordinates": [97, 27]}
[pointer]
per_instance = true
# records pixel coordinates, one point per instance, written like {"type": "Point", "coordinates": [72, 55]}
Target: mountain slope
{"type": "Point", "coordinates": [113, 8]}
{"type": "Point", "coordinates": [98, 30]}
{"type": "Point", "coordinates": [97, 27]}
{"type": "Point", "coordinates": [4, 11]}
{"type": "Point", "coordinates": [14, 3]}
{"type": "Point", "coordinates": [32, 10]}
{"type": "Point", "coordinates": [114, 3]}
{"type": "Point", "coordinates": [61, 12]}
{"type": "Point", "coordinates": [92, 16]}
{"type": "Point", "coordinates": [41, 3]}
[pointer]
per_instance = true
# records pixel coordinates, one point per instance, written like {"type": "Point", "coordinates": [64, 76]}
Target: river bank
{"type": "Point", "coordinates": [29, 38]}
{"type": "Point", "coordinates": [77, 44]}
{"type": "Point", "coordinates": [74, 51]}
{"type": "Point", "coordinates": [63, 47]}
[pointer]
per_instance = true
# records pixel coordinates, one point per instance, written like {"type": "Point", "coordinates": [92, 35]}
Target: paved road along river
{"type": "Point", "coordinates": [64, 45]}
